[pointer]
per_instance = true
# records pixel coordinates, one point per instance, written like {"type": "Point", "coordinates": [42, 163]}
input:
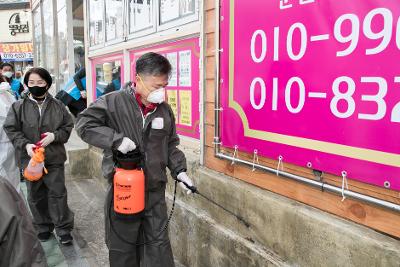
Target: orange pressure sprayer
{"type": "Point", "coordinates": [35, 169]}
{"type": "Point", "coordinates": [129, 184]}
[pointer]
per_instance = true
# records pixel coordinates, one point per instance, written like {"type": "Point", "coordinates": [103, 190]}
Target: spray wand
{"type": "Point", "coordinates": [196, 191]}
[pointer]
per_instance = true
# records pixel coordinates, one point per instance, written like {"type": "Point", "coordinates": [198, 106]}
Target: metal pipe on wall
{"type": "Point", "coordinates": [217, 140]}
{"type": "Point", "coordinates": [321, 185]}
{"type": "Point", "coordinates": [217, 81]}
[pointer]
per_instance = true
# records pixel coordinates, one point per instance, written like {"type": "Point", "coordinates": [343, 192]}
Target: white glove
{"type": "Point", "coordinates": [47, 139]}
{"type": "Point", "coordinates": [83, 94]}
{"type": "Point", "coordinates": [126, 145]}
{"type": "Point", "coordinates": [185, 178]}
{"type": "Point", "coordinates": [29, 149]}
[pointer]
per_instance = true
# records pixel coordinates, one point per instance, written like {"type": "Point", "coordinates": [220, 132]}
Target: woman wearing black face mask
{"type": "Point", "coordinates": [41, 120]}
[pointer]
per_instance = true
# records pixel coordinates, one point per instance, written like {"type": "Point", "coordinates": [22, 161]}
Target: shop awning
{"type": "Point", "coordinates": [16, 52]}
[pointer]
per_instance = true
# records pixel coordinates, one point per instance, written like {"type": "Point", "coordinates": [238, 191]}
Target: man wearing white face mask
{"type": "Point", "coordinates": [7, 70]}
{"type": "Point", "coordinates": [137, 118]}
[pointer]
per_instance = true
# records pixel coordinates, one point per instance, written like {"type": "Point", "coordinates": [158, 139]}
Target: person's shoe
{"type": "Point", "coordinates": [66, 239]}
{"type": "Point", "coordinates": [44, 236]}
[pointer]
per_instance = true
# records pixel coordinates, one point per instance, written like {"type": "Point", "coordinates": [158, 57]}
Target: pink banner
{"type": "Point", "coordinates": [315, 83]}
{"type": "Point", "coordinates": [183, 88]}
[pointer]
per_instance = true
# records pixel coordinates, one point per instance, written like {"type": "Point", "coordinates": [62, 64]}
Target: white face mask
{"type": "Point", "coordinates": [4, 86]}
{"type": "Point", "coordinates": [8, 74]}
{"type": "Point", "coordinates": [157, 96]}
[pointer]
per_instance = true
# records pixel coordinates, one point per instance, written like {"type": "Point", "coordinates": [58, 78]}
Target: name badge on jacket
{"type": "Point", "coordinates": [157, 123]}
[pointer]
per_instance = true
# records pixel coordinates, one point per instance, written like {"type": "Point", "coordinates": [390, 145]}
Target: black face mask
{"type": "Point", "coordinates": [37, 91]}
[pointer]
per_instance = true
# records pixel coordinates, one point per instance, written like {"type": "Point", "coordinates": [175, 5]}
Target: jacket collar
{"type": "Point", "coordinates": [46, 99]}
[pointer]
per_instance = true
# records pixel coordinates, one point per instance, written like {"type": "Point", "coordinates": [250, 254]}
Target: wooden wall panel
{"type": "Point", "coordinates": [210, 68]}
{"type": "Point", "coordinates": [210, 21]}
{"type": "Point", "coordinates": [209, 113]}
{"type": "Point", "coordinates": [209, 4]}
{"type": "Point", "coordinates": [374, 217]}
{"type": "Point", "coordinates": [209, 96]}
{"type": "Point", "coordinates": [210, 42]}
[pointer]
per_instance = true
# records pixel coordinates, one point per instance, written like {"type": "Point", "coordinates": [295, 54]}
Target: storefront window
{"type": "Point", "coordinates": [108, 75]}
{"type": "Point", "coordinates": [78, 37]}
{"type": "Point", "coordinates": [140, 15]}
{"type": "Point", "coordinates": [62, 46]}
{"type": "Point", "coordinates": [183, 88]}
{"type": "Point", "coordinates": [48, 24]}
{"type": "Point", "coordinates": [96, 22]}
{"type": "Point", "coordinates": [171, 10]}
{"type": "Point", "coordinates": [114, 19]}
{"type": "Point", "coordinates": [38, 36]}
{"type": "Point", "coordinates": [60, 4]}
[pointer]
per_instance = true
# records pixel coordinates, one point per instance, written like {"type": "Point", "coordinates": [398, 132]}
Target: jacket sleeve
{"type": "Point", "coordinates": [63, 133]}
{"type": "Point", "coordinates": [176, 158]}
{"type": "Point", "coordinates": [13, 128]}
{"type": "Point", "coordinates": [93, 128]}
{"type": "Point", "coordinates": [78, 78]}
{"type": "Point", "coordinates": [19, 244]}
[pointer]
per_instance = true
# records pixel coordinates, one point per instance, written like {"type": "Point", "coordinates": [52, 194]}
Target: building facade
{"type": "Point", "coordinates": [16, 35]}
{"type": "Point", "coordinates": [58, 38]}
{"type": "Point", "coordinates": [302, 192]}
{"type": "Point", "coordinates": [118, 32]}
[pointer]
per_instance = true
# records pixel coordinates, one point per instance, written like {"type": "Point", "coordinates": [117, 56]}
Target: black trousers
{"type": "Point", "coordinates": [77, 106]}
{"type": "Point", "coordinates": [47, 200]}
{"type": "Point", "coordinates": [142, 229]}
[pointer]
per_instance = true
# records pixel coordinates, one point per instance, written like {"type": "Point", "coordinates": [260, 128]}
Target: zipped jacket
{"type": "Point", "coordinates": [117, 115]}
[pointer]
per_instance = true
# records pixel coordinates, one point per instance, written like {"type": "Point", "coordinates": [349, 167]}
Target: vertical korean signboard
{"type": "Point", "coordinates": [316, 83]}
{"type": "Point", "coordinates": [183, 88]}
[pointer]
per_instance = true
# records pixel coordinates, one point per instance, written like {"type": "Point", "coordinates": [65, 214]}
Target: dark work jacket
{"type": "Point", "coordinates": [24, 125]}
{"type": "Point", "coordinates": [19, 245]}
{"type": "Point", "coordinates": [117, 115]}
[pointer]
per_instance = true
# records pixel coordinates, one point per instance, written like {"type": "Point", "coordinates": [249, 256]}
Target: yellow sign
{"type": "Point", "coordinates": [185, 101]}
{"type": "Point", "coordinates": [172, 98]}
{"type": "Point", "coordinates": [16, 48]}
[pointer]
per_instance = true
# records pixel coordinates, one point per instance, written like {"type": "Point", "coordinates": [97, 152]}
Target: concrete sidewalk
{"type": "Point", "coordinates": [85, 198]}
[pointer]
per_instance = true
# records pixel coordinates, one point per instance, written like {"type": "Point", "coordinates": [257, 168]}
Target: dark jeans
{"type": "Point", "coordinates": [47, 200]}
{"type": "Point", "coordinates": [142, 229]}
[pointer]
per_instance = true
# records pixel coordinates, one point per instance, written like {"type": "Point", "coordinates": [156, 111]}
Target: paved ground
{"type": "Point", "coordinates": [85, 197]}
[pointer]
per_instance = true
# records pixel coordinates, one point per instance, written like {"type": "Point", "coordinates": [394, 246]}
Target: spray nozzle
{"type": "Point", "coordinates": [194, 190]}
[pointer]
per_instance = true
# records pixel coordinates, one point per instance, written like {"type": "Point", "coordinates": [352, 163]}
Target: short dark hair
{"type": "Point", "coordinates": [153, 64]}
{"type": "Point", "coordinates": [43, 73]}
{"type": "Point", "coordinates": [6, 64]}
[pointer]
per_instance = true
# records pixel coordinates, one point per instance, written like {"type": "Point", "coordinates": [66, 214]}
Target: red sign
{"type": "Point", "coordinates": [16, 52]}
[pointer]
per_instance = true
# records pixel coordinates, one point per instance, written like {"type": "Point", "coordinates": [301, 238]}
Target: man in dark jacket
{"type": "Point", "coordinates": [138, 118]}
{"type": "Point", "coordinates": [73, 94]}
{"type": "Point", "coordinates": [41, 120]}
{"type": "Point", "coordinates": [19, 245]}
